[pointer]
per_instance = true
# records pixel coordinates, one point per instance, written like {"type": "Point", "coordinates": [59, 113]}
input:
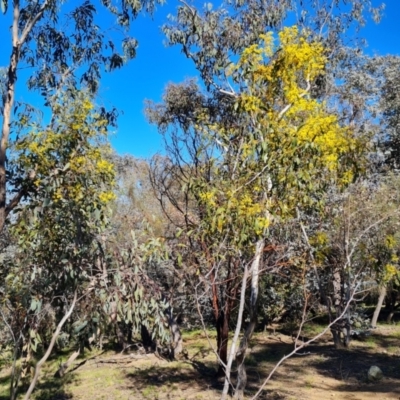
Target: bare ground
{"type": "Point", "coordinates": [320, 372]}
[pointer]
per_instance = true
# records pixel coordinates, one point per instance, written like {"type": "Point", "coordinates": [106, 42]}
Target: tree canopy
{"type": "Point", "coordinates": [275, 198]}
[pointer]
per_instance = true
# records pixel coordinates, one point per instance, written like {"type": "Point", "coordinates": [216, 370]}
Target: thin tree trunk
{"type": "Point", "coordinates": [337, 302]}
{"type": "Point", "coordinates": [236, 335]}
{"type": "Point", "coordinates": [176, 337]}
{"type": "Point", "coordinates": [17, 43]}
{"type": "Point", "coordinates": [382, 295]}
{"type": "Point", "coordinates": [50, 348]}
{"type": "Point", "coordinates": [8, 105]}
{"type": "Point", "coordinates": [337, 337]}
{"type": "Point", "coordinates": [324, 297]}
{"type": "Point", "coordinates": [222, 341]}
{"type": "Point", "coordinates": [391, 300]}
{"type": "Point", "coordinates": [390, 317]}
{"type": "Point", "coordinates": [222, 316]}
{"type": "Point", "coordinates": [147, 341]}
{"type": "Point", "coordinates": [64, 366]}
{"type": "Point", "coordinates": [346, 289]}
{"type": "Point", "coordinates": [218, 318]}
{"type": "Point", "coordinates": [241, 353]}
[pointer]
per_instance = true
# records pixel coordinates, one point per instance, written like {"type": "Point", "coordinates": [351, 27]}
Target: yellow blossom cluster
{"type": "Point", "coordinates": [288, 144]}
{"type": "Point", "coordinates": [105, 167]}
{"type": "Point", "coordinates": [73, 149]}
{"type": "Point", "coordinates": [230, 206]}
{"type": "Point", "coordinates": [390, 242]}
{"type": "Point", "coordinates": [106, 197]}
{"type": "Point", "coordinates": [389, 272]}
{"type": "Point", "coordinates": [208, 198]}
{"type": "Point", "coordinates": [278, 96]}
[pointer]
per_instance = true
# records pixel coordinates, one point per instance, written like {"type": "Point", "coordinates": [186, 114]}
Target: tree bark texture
{"type": "Point", "coordinates": [382, 295]}
{"type": "Point", "coordinates": [391, 300]}
{"type": "Point", "coordinates": [222, 299]}
{"type": "Point", "coordinates": [244, 343]}
{"type": "Point", "coordinates": [5, 133]}
{"type": "Point", "coordinates": [222, 341]}
{"type": "Point", "coordinates": [337, 304]}
{"type": "Point", "coordinates": [176, 337]}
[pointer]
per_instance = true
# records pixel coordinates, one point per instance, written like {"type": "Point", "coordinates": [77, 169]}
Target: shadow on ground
{"type": "Point", "coordinates": [185, 375]}
{"type": "Point", "coordinates": [348, 367]}
{"type": "Point", "coordinates": [50, 389]}
{"type": "Point", "coordinates": [344, 370]}
{"type": "Point", "coordinates": [54, 388]}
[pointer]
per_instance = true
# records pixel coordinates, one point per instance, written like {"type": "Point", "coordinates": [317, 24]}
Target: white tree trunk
{"type": "Point", "coordinates": [382, 295]}
{"type": "Point", "coordinates": [254, 271]}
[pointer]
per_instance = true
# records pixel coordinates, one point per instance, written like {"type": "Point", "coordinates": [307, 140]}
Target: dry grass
{"type": "Point", "coordinates": [321, 372]}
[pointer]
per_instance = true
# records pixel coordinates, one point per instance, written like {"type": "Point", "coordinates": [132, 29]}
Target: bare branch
{"type": "Point", "coordinates": [31, 23]}
{"type": "Point", "coordinates": [50, 348]}
{"type": "Point", "coordinates": [289, 106]}
{"type": "Point", "coordinates": [304, 344]}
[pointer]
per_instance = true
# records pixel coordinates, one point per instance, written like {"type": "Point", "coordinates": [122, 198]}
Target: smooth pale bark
{"type": "Point", "coordinates": [64, 366]}
{"type": "Point", "coordinates": [241, 352]}
{"type": "Point", "coordinates": [382, 295]}
{"type": "Point", "coordinates": [236, 335]}
{"type": "Point", "coordinates": [244, 343]}
{"type": "Point", "coordinates": [222, 312]}
{"type": "Point", "coordinates": [8, 104]}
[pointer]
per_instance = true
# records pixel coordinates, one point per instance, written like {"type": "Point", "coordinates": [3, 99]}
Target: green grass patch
{"type": "Point", "coordinates": [312, 329]}
{"type": "Point", "coordinates": [199, 334]}
{"type": "Point", "coordinates": [370, 342]}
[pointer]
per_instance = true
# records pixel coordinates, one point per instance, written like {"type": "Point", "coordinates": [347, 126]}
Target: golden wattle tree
{"type": "Point", "coordinates": [251, 157]}
{"type": "Point", "coordinates": [282, 158]}
{"type": "Point", "coordinates": [56, 231]}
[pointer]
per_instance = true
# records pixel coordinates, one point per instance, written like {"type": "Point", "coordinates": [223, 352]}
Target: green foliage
{"type": "Point", "coordinates": [71, 184]}
{"type": "Point", "coordinates": [74, 47]}
{"type": "Point", "coordinates": [66, 53]}
{"type": "Point", "coordinates": [211, 37]}
{"type": "Point", "coordinates": [135, 207]}
{"type": "Point", "coordinates": [288, 148]}
{"type": "Point", "coordinates": [282, 150]}
{"type": "Point", "coordinates": [60, 236]}
{"type": "Point", "coordinates": [138, 299]}
{"type": "Point", "coordinates": [390, 105]}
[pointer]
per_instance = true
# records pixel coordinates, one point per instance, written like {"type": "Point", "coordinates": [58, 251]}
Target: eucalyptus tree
{"type": "Point", "coordinates": [389, 68]}
{"type": "Point", "coordinates": [63, 46]}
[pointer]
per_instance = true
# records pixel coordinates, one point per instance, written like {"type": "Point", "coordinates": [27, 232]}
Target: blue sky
{"type": "Point", "coordinates": [156, 65]}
